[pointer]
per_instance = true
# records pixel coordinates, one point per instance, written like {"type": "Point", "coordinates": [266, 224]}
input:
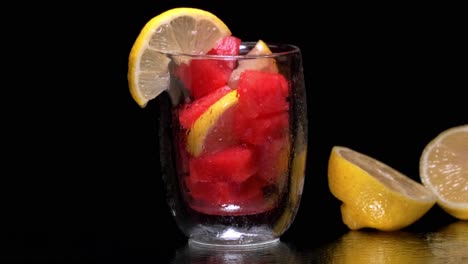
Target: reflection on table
{"type": "Point", "coordinates": [449, 244]}
{"type": "Point", "coordinates": [277, 253]}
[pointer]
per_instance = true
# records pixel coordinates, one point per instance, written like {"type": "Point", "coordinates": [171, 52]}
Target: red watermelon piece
{"type": "Point", "coordinates": [262, 111]}
{"type": "Point", "coordinates": [202, 76]}
{"type": "Point", "coordinates": [233, 164]}
{"type": "Point", "coordinates": [261, 130]}
{"type": "Point", "coordinates": [262, 93]}
{"type": "Point", "coordinates": [228, 45]}
{"type": "Point", "coordinates": [221, 193]}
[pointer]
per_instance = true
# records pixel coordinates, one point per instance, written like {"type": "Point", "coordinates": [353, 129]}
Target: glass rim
{"type": "Point", "coordinates": [277, 49]}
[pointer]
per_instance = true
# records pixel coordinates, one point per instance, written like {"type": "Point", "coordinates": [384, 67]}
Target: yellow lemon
{"type": "Point", "coordinates": [444, 170]}
{"type": "Point", "coordinates": [206, 122]}
{"type": "Point", "coordinates": [178, 30]}
{"type": "Point", "coordinates": [373, 194]}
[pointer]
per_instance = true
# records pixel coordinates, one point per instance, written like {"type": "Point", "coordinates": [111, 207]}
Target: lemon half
{"type": "Point", "coordinates": [444, 170]}
{"type": "Point", "coordinates": [373, 194]}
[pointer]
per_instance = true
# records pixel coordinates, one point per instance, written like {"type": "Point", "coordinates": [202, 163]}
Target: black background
{"type": "Point", "coordinates": [81, 157]}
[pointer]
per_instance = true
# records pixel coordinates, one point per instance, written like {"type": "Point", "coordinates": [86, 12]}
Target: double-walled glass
{"type": "Point", "coordinates": [233, 141]}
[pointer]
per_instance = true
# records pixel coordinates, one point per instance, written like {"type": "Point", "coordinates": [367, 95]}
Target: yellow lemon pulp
{"type": "Point", "coordinates": [178, 30]}
{"type": "Point", "coordinates": [444, 170]}
{"type": "Point", "coordinates": [373, 194]}
{"type": "Point", "coordinates": [203, 125]}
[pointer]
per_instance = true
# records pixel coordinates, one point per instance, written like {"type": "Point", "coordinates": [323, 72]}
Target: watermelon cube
{"type": "Point", "coordinates": [222, 193]}
{"type": "Point", "coordinates": [261, 130]}
{"type": "Point", "coordinates": [262, 93]}
{"type": "Point", "coordinates": [227, 198]}
{"type": "Point", "coordinates": [202, 76]}
{"type": "Point", "coordinates": [233, 164]}
{"type": "Point", "coordinates": [228, 45]}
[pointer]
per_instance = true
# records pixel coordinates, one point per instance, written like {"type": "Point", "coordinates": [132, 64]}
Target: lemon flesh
{"type": "Point", "coordinates": [373, 194]}
{"type": "Point", "coordinates": [444, 170]}
{"type": "Point", "coordinates": [178, 30]}
{"type": "Point", "coordinates": [204, 124]}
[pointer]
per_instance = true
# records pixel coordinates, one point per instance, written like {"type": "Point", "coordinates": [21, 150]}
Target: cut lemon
{"type": "Point", "coordinates": [373, 194]}
{"type": "Point", "coordinates": [444, 170]}
{"type": "Point", "coordinates": [179, 30]}
{"type": "Point", "coordinates": [261, 64]}
{"type": "Point", "coordinates": [196, 138]}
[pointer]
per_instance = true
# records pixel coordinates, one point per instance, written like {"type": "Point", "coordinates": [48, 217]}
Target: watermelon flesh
{"type": "Point", "coordinates": [245, 162]}
{"type": "Point", "coordinates": [228, 45]}
{"type": "Point", "coordinates": [202, 76]}
{"type": "Point", "coordinates": [222, 198]}
{"type": "Point", "coordinates": [235, 164]}
{"type": "Point", "coordinates": [262, 93]}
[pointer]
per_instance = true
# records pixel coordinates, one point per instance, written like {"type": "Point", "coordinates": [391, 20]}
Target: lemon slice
{"type": "Point", "coordinates": [178, 30]}
{"type": "Point", "coordinates": [373, 194]}
{"type": "Point", "coordinates": [444, 170]}
{"type": "Point", "coordinates": [206, 122]}
{"type": "Point", "coordinates": [261, 64]}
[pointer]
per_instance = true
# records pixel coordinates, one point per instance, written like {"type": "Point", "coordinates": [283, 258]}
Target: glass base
{"type": "Point", "coordinates": [230, 237]}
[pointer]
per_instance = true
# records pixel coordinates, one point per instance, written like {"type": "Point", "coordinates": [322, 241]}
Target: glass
{"type": "Point", "coordinates": [233, 143]}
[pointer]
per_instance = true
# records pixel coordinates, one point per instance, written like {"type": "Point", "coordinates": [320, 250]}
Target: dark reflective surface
{"type": "Point", "coordinates": [277, 253]}
{"type": "Point", "coordinates": [449, 244]}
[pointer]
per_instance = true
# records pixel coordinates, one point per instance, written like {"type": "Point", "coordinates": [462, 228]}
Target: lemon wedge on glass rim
{"type": "Point", "coordinates": [373, 194]}
{"type": "Point", "coordinates": [178, 30]}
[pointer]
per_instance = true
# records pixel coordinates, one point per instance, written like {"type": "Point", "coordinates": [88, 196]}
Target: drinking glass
{"type": "Point", "coordinates": [233, 144]}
